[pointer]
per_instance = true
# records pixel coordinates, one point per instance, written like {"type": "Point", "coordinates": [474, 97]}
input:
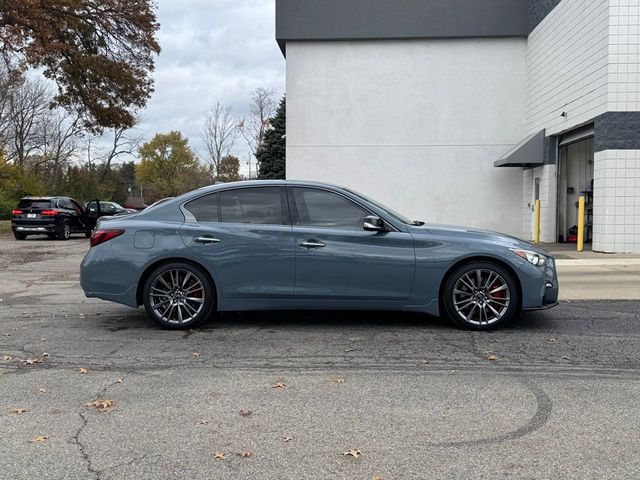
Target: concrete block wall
{"type": "Point", "coordinates": [616, 206]}
{"type": "Point", "coordinates": [548, 204]}
{"type": "Point", "coordinates": [624, 56]}
{"type": "Point", "coordinates": [567, 66]}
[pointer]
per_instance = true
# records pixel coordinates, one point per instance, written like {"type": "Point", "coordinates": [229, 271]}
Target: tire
{"type": "Point", "coordinates": [64, 231]}
{"type": "Point", "coordinates": [168, 300]}
{"type": "Point", "coordinates": [480, 301]}
{"type": "Point", "coordinates": [20, 236]}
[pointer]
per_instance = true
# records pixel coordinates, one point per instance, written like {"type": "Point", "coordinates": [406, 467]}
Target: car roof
{"type": "Point", "coordinates": [263, 183]}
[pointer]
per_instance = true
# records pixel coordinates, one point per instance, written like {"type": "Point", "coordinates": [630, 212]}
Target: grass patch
{"type": "Point", "coordinates": [5, 227]}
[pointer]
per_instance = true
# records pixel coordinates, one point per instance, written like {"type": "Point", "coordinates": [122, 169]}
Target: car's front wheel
{"type": "Point", "coordinates": [19, 236]}
{"type": "Point", "coordinates": [178, 296]}
{"type": "Point", "coordinates": [480, 296]}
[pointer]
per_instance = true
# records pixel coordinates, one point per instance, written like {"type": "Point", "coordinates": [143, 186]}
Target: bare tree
{"type": "Point", "coordinates": [220, 133]}
{"type": "Point", "coordinates": [27, 108]}
{"type": "Point", "coordinates": [58, 135]}
{"type": "Point", "coordinates": [124, 141]}
{"type": "Point", "coordinates": [261, 108]}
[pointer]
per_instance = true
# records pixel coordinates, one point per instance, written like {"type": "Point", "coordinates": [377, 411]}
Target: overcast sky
{"type": "Point", "coordinates": [211, 50]}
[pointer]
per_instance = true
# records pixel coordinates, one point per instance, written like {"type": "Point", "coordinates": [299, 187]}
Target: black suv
{"type": "Point", "coordinates": [57, 217]}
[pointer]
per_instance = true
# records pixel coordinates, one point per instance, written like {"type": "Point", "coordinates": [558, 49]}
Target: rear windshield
{"type": "Point", "coordinates": [25, 203]}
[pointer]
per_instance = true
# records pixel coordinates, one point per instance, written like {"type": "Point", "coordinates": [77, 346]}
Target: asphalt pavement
{"type": "Point", "coordinates": [93, 390]}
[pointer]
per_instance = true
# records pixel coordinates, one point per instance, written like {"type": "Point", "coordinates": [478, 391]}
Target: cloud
{"type": "Point", "coordinates": [212, 50]}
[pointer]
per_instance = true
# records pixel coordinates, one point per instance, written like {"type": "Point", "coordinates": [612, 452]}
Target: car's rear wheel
{"type": "Point", "coordinates": [178, 296]}
{"type": "Point", "coordinates": [64, 231]}
{"type": "Point", "coordinates": [480, 296]}
{"type": "Point", "coordinates": [19, 236]}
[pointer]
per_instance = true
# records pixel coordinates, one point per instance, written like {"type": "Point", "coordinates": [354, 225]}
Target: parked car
{"type": "Point", "coordinates": [300, 245]}
{"type": "Point", "coordinates": [101, 208]}
{"type": "Point", "coordinates": [56, 217]}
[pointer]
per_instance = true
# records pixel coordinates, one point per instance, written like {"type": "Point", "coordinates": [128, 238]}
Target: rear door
{"type": "Point", "coordinates": [244, 237]}
{"type": "Point", "coordinates": [336, 258]}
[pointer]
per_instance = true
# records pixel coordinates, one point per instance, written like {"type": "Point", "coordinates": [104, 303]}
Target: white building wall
{"type": "Point", "coordinates": [567, 66]}
{"type": "Point", "coordinates": [624, 56]}
{"type": "Point", "coordinates": [416, 124]}
{"type": "Point", "coordinates": [616, 207]}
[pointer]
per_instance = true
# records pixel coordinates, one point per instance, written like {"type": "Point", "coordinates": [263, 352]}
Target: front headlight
{"type": "Point", "coordinates": [533, 258]}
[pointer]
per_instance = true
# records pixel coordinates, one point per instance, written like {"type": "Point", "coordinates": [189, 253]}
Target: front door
{"type": "Point", "coordinates": [244, 237]}
{"type": "Point", "coordinates": [337, 258]}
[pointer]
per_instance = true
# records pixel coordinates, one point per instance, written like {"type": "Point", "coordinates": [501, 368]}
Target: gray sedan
{"type": "Point", "coordinates": [267, 245]}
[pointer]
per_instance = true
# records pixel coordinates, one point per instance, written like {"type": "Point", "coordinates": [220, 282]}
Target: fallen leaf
{"type": "Point", "coordinates": [203, 422]}
{"type": "Point", "coordinates": [39, 439]}
{"type": "Point", "coordinates": [32, 361]}
{"type": "Point", "coordinates": [492, 358]}
{"type": "Point", "coordinates": [83, 370]}
{"type": "Point", "coordinates": [350, 350]}
{"type": "Point", "coordinates": [553, 340]}
{"type": "Point", "coordinates": [425, 361]}
{"type": "Point", "coordinates": [42, 390]}
{"type": "Point", "coordinates": [20, 411]}
{"type": "Point", "coordinates": [45, 354]}
{"type": "Point", "coordinates": [338, 380]}
{"type": "Point", "coordinates": [219, 456]}
{"type": "Point", "coordinates": [287, 439]}
{"type": "Point", "coordinates": [119, 380]}
{"type": "Point", "coordinates": [82, 314]}
{"type": "Point", "coordinates": [43, 339]}
{"type": "Point", "coordinates": [279, 385]}
{"type": "Point", "coordinates": [6, 358]}
{"type": "Point", "coordinates": [355, 453]}
{"type": "Point", "coordinates": [245, 413]}
{"type": "Point", "coordinates": [245, 454]}
{"type": "Point", "coordinates": [195, 354]}
{"type": "Point", "coordinates": [564, 357]}
{"type": "Point", "coordinates": [102, 405]}
{"type": "Point", "coordinates": [7, 334]}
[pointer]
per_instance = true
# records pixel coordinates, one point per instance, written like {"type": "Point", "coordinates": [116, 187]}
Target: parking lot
{"type": "Point", "coordinates": [285, 395]}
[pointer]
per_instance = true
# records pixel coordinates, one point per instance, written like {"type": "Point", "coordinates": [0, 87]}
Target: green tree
{"type": "Point", "coordinates": [229, 169]}
{"type": "Point", "coordinates": [100, 53]}
{"type": "Point", "coordinates": [168, 166]}
{"type": "Point", "coordinates": [271, 155]}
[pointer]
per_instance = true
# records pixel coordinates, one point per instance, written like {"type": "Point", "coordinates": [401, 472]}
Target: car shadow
{"type": "Point", "coordinates": [321, 319]}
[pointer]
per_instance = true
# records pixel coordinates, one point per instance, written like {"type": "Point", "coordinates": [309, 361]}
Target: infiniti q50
{"type": "Point", "coordinates": [276, 245]}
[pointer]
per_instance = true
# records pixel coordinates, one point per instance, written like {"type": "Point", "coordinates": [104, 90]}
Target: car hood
{"type": "Point", "coordinates": [469, 233]}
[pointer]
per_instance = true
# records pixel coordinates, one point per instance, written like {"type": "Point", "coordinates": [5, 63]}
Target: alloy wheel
{"type": "Point", "coordinates": [481, 296]}
{"type": "Point", "coordinates": [177, 296]}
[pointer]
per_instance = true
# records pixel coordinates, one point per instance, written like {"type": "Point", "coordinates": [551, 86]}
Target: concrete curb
{"type": "Point", "coordinates": [597, 262]}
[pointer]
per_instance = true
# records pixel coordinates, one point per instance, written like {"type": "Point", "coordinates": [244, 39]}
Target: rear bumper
{"type": "Point", "coordinates": [33, 227]}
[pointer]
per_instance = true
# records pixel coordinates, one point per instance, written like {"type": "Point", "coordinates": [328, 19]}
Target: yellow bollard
{"type": "Point", "coordinates": [536, 233]}
{"type": "Point", "coordinates": [581, 224]}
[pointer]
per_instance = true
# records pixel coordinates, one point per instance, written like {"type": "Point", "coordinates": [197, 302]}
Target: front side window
{"type": "Point", "coordinates": [261, 205]}
{"type": "Point", "coordinates": [320, 208]}
{"type": "Point", "coordinates": [204, 209]}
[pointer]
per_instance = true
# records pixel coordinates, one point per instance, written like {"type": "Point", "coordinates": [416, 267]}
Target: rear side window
{"type": "Point", "coordinates": [204, 209]}
{"type": "Point", "coordinates": [37, 204]}
{"type": "Point", "coordinates": [319, 208]}
{"type": "Point", "coordinates": [252, 205]}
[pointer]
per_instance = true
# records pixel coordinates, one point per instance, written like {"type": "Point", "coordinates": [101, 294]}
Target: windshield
{"type": "Point", "coordinates": [387, 210]}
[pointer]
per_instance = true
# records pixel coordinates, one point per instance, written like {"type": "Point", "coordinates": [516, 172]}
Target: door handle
{"type": "Point", "coordinates": [312, 244]}
{"type": "Point", "coordinates": [207, 240]}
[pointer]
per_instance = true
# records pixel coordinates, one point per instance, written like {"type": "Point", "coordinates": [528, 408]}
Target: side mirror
{"type": "Point", "coordinates": [373, 224]}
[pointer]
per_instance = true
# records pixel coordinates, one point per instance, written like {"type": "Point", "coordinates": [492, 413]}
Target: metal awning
{"type": "Point", "coordinates": [528, 153]}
